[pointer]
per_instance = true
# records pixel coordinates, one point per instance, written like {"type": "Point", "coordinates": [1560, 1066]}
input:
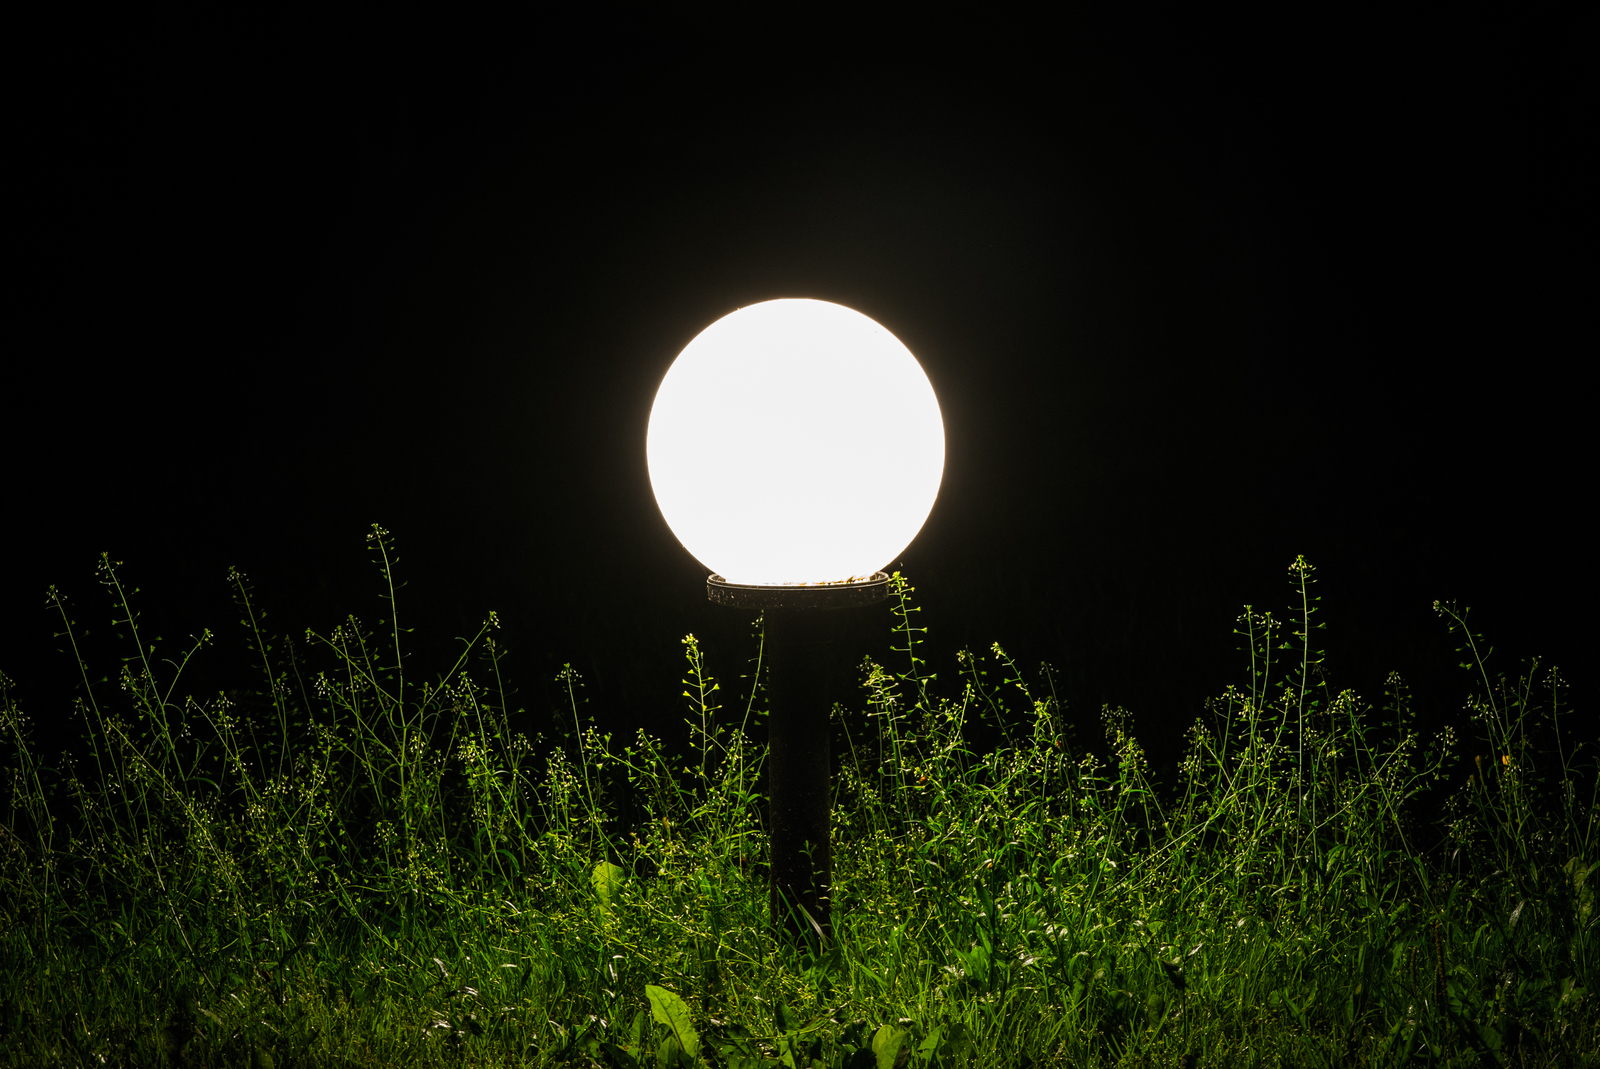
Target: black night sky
{"type": "Point", "coordinates": [1195, 298]}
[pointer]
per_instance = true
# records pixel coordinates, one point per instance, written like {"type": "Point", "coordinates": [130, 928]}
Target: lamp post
{"type": "Point", "coordinates": [795, 447]}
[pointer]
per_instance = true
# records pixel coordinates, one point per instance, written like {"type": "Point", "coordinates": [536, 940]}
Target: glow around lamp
{"type": "Point", "coordinates": [795, 448]}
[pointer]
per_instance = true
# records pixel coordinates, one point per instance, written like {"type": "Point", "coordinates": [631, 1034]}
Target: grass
{"type": "Point", "coordinates": [358, 867]}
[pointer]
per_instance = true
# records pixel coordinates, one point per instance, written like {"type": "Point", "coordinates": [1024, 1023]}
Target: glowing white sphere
{"type": "Point", "coordinates": [795, 441]}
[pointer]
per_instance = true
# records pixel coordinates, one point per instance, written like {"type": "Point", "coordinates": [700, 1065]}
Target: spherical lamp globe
{"type": "Point", "coordinates": [795, 442]}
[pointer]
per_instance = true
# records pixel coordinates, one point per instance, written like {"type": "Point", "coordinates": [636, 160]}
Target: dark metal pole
{"type": "Point", "coordinates": [802, 662]}
{"type": "Point", "coordinates": [800, 654]}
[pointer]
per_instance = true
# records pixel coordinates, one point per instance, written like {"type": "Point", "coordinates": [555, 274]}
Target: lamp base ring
{"type": "Point", "coordinates": [799, 596]}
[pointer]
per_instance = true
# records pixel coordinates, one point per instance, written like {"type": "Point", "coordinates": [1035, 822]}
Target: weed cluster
{"type": "Point", "coordinates": [355, 868]}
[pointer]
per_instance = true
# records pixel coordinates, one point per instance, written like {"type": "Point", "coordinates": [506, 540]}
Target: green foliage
{"type": "Point", "coordinates": [347, 866]}
{"type": "Point", "coordinates": [670, 1010]}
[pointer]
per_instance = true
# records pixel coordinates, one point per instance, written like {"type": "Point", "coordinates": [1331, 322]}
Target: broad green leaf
{"type": "Point", "coordinates": [607, 881]}
{"type": "Point", "coordinates": [670, 1010]}
{"type": "Point", "coordinates": [886, 1045]}
{"type": "Point", "coordinates": [636, 1035]}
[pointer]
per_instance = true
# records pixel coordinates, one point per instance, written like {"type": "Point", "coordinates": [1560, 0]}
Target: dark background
{"type": "Point", "coordinates": [1195, 297]}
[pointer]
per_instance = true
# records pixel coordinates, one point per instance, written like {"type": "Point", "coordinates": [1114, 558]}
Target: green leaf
{"type": "Point", "coordinates": [636, 1034]}
{"type": "Point", "coordinates": [607, 882]}
{"type": "Point", "coordinates": [670, 1010]}
{"type": "Point", "coordinates": [886, 1045]}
